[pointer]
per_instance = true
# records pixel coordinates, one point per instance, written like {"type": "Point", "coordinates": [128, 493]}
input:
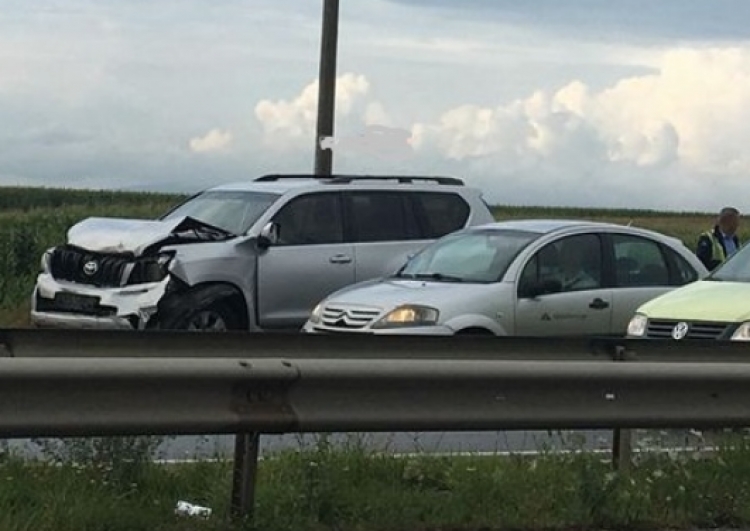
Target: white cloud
{"type": "Point", "coordinates": [290, 123]}
{"type": "Point", "coordinates": [682, 127]}
{"type": "Point", "coordinates": [694, 111]}
{"type": "Point", "coordinates": [214, 140]}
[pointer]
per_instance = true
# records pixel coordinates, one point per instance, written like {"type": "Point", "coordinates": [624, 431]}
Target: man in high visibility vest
{"type": "Point", "coordinates": [715, 246]}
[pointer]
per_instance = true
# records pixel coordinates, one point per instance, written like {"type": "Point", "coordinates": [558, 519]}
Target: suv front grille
{"type": "Point", "coordinates": [348, 317]}
{"type": "Point", "coordinates": [103, 270]}
{"type": "Point", "coordinates": [696, 329]}
{"type": "Point", "coordinates": [87, 267]}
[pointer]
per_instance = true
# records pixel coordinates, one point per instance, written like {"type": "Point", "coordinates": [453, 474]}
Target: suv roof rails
{"type": "Point", "coordinates": [339, 179]}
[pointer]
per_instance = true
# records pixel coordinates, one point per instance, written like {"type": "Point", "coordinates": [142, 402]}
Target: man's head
{"type": "Point", "coordinates": [729, 220]}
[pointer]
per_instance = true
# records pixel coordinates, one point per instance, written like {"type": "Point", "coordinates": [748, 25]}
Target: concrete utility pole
{"type": "Point", "coordinates": [327, 86]}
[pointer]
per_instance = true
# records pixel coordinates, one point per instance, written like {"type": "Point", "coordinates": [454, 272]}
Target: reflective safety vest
{"type": "Point", "coordinates": [717, 250]}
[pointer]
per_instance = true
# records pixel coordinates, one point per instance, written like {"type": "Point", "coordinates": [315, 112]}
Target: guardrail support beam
{"type": "Point", "coordinates": [244, 474]}
{"type": "Point", "coordinates": [621, 449]}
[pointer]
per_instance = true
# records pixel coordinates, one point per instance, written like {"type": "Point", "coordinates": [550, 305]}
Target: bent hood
{"type": "Point", "coordinates": [120, 235]}
{"type": "Point", "coordinates": [389, 293]}
{"type": "Point", "coordinates": [703, 300]}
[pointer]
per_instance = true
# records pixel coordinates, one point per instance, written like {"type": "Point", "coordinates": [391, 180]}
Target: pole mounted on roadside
{"type": "Point", "coordinates": [326, 86]}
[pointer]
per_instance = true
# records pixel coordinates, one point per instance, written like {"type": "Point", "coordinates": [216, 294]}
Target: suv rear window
{"type": "Point", "coordinates": [382, 216]}
{"type": "Point", "coordinates": [440, 212]}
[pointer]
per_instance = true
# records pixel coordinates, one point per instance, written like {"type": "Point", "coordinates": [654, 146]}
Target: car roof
{"type": "Point", "coordinates": [280, 184]}
{"type": "Point", "coordinates": [546, 226]}
{"type": "Point", "coordinates": [273, 187]}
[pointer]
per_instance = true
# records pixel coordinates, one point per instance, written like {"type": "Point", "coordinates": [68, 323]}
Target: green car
{"type": "Point", "coordinates": [715, 307]}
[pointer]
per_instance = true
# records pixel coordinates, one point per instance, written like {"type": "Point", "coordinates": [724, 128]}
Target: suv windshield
{"type": "Point", "coordinates": [233, 211]}
{"type": "Point", "coordinates": [735, 269]}
{"type": "Point", "coordinates": [479, 256]}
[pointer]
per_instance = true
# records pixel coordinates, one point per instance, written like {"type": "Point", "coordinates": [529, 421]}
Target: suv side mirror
{"type": "Point", "coordinates": [544, 287]}
{"type": "Point", "coordinates": [269, 235]}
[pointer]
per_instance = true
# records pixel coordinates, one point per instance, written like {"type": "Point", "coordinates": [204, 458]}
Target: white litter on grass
{"type": "Point", "coordinates": [188, 509]}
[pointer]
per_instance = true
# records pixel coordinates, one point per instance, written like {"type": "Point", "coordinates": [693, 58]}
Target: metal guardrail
{"type": "Point", "coordinates": [69, 397]}
{"type": "Point", "coordinates": [65, 383]}
{"type": "Point", "coordinates": [49, 343]}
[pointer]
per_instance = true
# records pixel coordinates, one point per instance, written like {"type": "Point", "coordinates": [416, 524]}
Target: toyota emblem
{"type": "Point", "coordinates": [90, 268]}
{"type": "Point", "coordinates": [680, 330]}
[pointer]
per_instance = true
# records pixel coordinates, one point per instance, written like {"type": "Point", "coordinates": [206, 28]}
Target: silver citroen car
{"type": "Point", "coordinates": [524, 278]}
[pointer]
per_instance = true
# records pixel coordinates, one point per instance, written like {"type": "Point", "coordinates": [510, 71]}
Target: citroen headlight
{"type": "Point", "coordinates": [742, 333]}
{"type": "Point", "coordinates": [637, 325]}
{"type": "Point", "coordinates": [46, 262]}
{"type": "Point", "coordinates": [315, 316]}
{"type": "Point", "coordinates": [410, 315]}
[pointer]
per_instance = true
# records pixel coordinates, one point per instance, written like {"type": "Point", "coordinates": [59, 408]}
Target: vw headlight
{"type": "Point", "coordinates": [637, 325]}
{"type": "Point", "coordinates": [742, 333]}
{"type": "Point", "coordinates": [46, 262]}
{"type": "Point", "coordinates": [405, 316]}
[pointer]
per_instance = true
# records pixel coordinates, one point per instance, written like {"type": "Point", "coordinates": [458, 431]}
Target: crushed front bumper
{"type": "Point", "coordinates": [59, 304]}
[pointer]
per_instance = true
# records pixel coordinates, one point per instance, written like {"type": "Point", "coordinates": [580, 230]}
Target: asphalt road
{"type": "Point", "coordinates": [434, 442]}
{"type": "Point", "coordinates": [222, 446]}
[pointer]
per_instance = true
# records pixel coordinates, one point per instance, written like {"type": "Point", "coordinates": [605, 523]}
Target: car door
{"type": "Point", "coordinates": [561, 290]}
{"type": "Point", "coordinates": [642, 272]}
{"type": "Point", "coordinates": [309, 261]}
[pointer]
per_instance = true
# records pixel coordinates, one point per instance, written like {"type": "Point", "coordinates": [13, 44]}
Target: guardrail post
{"type": "Point", "coordinates": [622, 439]}
{"type": "Point", "coordinates": [621, 449]}
{"type": "Point", "coordinates": [244, 474]}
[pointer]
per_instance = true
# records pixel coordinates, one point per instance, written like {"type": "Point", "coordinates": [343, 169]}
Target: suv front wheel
{"type": "Point", "coordinates": [213, 308]}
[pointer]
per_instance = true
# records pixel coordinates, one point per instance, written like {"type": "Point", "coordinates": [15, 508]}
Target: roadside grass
{"type": "Point", "coordinates": [17, 317]}
{"type": "Point", "coordinates": [352, 488]}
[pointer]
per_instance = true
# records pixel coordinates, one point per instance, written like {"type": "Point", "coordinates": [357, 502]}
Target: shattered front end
{"type": "Point", "coordinates": [83, 289]}
{"type": "Point", "coordinates": [111, 273]}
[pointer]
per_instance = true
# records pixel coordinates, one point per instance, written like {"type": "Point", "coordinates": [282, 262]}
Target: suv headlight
{"type": "Point", "coordinates": [409, 315]}
{"type": "Point", "coordinates": [742, 333]}
{"type": "Point", "coordinates": [151, 269]}
{"type": "Point", "coordinates": [637, 325]}
{"type": "Point", "coordinates": [46, 261]}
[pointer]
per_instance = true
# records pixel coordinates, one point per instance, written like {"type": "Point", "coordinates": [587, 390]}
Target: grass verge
{"type": "Point", "coordinates": [355, 489]}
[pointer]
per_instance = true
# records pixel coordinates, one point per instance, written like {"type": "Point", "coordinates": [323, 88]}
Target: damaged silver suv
{"type": "Point", "coordinates": [254, 256]}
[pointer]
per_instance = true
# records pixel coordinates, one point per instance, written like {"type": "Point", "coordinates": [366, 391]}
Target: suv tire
{"type": "Point", "coordinates": [207, 309]}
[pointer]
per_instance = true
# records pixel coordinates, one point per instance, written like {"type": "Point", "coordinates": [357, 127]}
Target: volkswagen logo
{"type": "Point", "coordinates": [90, 268]}
{"type": "Point", "coordinates": [680, 330]}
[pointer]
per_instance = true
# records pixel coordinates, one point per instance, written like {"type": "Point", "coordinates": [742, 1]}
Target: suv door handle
{"type": "Point", "coordinates": [340, 259]}
{"type": "Point", "coordinates": [598, 304]}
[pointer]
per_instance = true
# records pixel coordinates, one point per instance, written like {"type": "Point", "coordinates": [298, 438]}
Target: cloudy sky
{"type": "Point", "coordinates": [606, 103]}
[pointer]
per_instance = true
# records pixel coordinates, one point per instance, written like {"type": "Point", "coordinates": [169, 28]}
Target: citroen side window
{"type": "Point", "coordinates": [639, 262]}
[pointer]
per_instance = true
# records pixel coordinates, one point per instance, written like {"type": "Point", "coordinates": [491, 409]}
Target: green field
{"type": "Point", "coordinates": [33, 219]}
